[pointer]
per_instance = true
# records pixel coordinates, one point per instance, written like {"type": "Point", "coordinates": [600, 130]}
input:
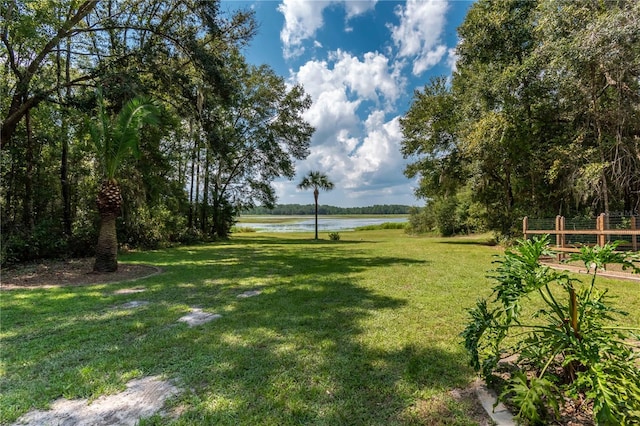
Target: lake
{"type": "Point", "coordinates": [325, 224]}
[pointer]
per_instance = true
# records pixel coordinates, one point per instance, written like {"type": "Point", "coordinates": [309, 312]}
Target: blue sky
{"type": "Point", "coordinates": [360, 61]}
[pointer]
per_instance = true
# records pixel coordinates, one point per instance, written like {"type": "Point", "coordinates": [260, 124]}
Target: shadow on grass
{"type": "Point", "coordinates": [487, 243]}
{"type": "Point", "coordinates": [295, 354]}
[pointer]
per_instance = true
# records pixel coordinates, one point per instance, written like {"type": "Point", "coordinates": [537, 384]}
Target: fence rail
{"type": "Point", "coordinates": [602, 233]}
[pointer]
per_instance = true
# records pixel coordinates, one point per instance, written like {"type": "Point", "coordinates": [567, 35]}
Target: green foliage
{"type": "Point", "coordinates": [117, 137]}
{"type": "Point", "coordinates": [152, 227]}
{"type": "Point", "coordinates": [334, 236]}
{"type": "Point", "coordinates": [386, 225]}
{"type": "Point", "coordinates": [567, 346]}
{"type": "Point", "coordinates": [533, 396]}
{"type": "Point", "coordinates": [421, 220]}
{"type": "Point", "coordinates": [449, 215]}
{"type": "Point", "coordinates": [540, 116]}
{"type": "Point", "coordinates": [243, 229]}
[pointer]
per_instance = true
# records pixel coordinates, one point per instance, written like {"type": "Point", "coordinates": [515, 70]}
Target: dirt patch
{"type": "Point", "coordinates": [72, 272]}
{"type": "Point", "coordinates": [142, 398]}
{"type": "Point", "coordinates": [440, 409]}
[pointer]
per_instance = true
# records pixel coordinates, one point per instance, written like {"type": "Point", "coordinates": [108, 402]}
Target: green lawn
{"type": "Point", "coordinates": [358, 331]}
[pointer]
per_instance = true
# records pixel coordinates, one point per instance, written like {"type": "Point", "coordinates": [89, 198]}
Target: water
{"type": "Point", "coordinates": [324, 224]}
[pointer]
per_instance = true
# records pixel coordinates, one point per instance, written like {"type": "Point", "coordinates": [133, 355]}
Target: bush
{"type": "Point", "coordinates": [421, 220]}
{"type": "Point", "coordinates": [237, 228]}
{"type": "Point", "coordinates": [334, 236]}
{"type": "Point", "coordinates": [152, 227]}
{"type": "Point", "coordinates": [569, 348]}
{"type": "Point", "coordinates": [45, 241]}
{"type": "Point", "coordinates": [386, 225]}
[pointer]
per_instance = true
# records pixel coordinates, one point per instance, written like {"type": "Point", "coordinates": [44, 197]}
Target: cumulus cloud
{"type": "Point", "coordinates": [359, 7]}
{"type": "Point", "coordinates": [303, 18]}
{"type": "Point", "coordinates": [360, 156]}
{"type": "Point", "coordinates": [418, 35]}
{"type": "Point", "coordinates": [301, 21]}
{"type": "Point", "coordinates": [370, 78]}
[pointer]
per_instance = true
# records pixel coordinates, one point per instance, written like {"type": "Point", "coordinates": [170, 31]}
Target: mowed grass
{"type": "Point", "coordinates": [358, 331]}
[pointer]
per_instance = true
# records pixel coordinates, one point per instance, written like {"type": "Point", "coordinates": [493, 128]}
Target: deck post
{"type": "Point", "coordinates": [525, 226]}
{"type": "Point", "coordinates": [601, 226]}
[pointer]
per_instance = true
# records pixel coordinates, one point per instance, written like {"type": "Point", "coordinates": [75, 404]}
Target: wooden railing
{"type": "Point", "coordinates": [601, 232]}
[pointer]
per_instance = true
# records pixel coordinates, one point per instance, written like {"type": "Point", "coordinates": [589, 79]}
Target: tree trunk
{"type": "Point", "coordinates": [205, 194]}
{"type": "Point", "coordinates": [64, 159]}
{"type": "Point", "coordinates": [193, 177]}
{"type": "Point", "coordinates": [109, 203]}
{"type": "Point", "coordinates": [107, 248]}
{"type": "Point", "coordinates": [27, 212]}
{"type": "Point", "coordinates": [315, 197]}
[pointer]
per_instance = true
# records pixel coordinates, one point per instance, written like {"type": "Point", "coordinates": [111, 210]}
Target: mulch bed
{"type": "Point", "coordinates": [71, 272]}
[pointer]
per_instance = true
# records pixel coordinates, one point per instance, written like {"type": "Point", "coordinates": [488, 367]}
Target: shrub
{"type": "Point", "coordinates": [237, 228]}
{"type": "Point", "coordinates": [568, 348]}
{"type": "Point", "coordinates": [386, 225]}
{"type": "Point", "coordinates": [334, 236]}
{"type": "Point", "coordinates": [421, 220]}
{"type": "Point", "coordinates": [46, 240]}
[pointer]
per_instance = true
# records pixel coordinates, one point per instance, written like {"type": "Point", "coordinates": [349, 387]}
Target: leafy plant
{"type": "Point", "coordinates": [334, 236]}
{"type": "Point", "coordinates": [569, 347]}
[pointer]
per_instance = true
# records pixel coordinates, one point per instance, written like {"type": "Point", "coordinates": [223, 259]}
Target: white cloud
{"type": "Point", "coordinates": [418, 34]}
{"type": "Point", "coordinates": [301, 21]}
{"type": "Point", "coordinates": [371, 78]}
{"type": "Point", "coordinates": [359, 7]}
{"type": "Point", "coordinates": [303, 18]}
{"type": "Point", "coordinates": [359, 156]}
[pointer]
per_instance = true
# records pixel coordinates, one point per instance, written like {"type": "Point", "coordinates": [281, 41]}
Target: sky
{"type": "Point", "coordinates": [360, 61]}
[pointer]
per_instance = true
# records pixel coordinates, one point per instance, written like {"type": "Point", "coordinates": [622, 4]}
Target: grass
{"type": "Point", "coordinates": [380, 226]}
{"type": "Point", "coordinates": [358, 331]}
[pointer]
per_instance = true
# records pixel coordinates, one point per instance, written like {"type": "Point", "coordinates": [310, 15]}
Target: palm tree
{"type": "Point", "coordinates": [115, 138]}
{"type": "Point", "coordinates": [317, 181]}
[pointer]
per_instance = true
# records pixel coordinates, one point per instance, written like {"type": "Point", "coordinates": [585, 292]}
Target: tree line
{"type": "Point", "coordinates": [225, 129]}
{"type": "Point", "coordinates": [309, 209]}
{"type": "Point", "coordinates": [540, 118]}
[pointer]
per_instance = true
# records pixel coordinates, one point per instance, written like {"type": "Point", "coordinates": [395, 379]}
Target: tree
{"type": "Point", "coordinates": [54, 54]}
{"type": "Point", "coordinates": [252, 138]}
{"type": "Point", "coordinates": [541, 116]}
{"type": "Point", "coordinates": [317, 181]}
{"type": "Point", "coordinates": [115, 138]}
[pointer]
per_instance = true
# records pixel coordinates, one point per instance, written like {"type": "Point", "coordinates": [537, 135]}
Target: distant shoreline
{"type": "Point", "coordinates": [324, 209]}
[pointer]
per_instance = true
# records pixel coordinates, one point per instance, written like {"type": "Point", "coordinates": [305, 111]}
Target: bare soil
{"type": "Point", "coordinates": [72, 272]}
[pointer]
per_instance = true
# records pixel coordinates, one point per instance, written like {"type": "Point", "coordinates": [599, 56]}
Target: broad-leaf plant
{"type": "Point", "coordinates": [561, 334]}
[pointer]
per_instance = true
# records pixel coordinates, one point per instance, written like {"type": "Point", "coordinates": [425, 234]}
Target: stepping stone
{"type": "Point", "coordinates": [249, 293]}
{"type": "Point", "coordinates": [143, 398]}
{"type": "Point", "coordinates": [198, 317]}
{"type": "Point", "coordinates": [134, 304]}
{"type": "Point", "coordinates": [129, 290]}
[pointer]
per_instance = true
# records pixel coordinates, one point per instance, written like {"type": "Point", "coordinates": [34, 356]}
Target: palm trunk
{"type": "Point", "coordinates": [109, 205]}
{"type": "Point", "coordinates": [315, 196]}
{"type": "Point", "coordinates": [107, 248]}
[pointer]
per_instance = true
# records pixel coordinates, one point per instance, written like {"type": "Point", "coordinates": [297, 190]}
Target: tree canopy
{"type": "Point", "coordinates": [225, 129]}
{"type": "Point", "coordinates": [540, 118]}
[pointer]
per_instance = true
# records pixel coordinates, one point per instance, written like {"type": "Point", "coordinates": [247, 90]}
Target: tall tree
{"type": "Point", "coordinates": [252, 138]}
{"type": "Point", "coordinates": [317, 181]}
{"type": "Point", "coordinates": [115, 138]}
